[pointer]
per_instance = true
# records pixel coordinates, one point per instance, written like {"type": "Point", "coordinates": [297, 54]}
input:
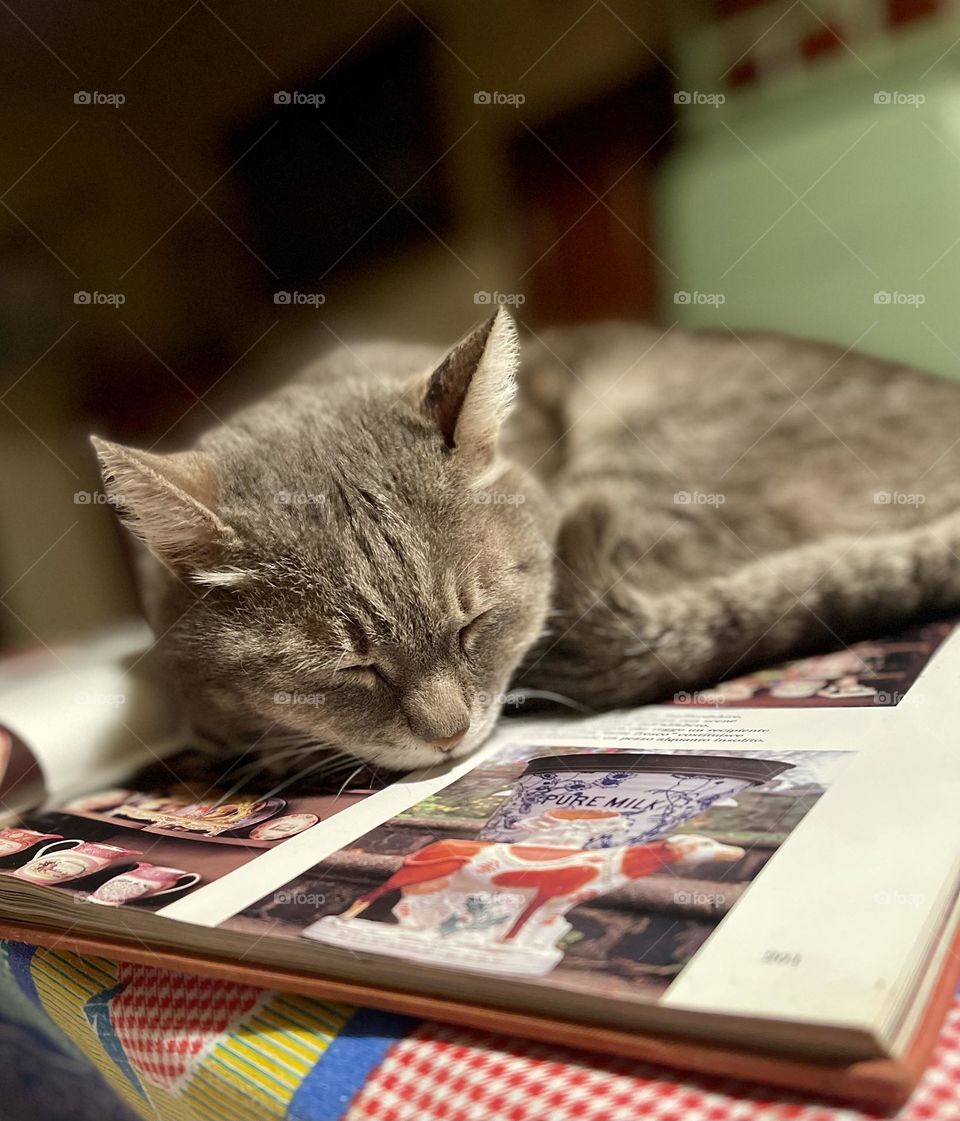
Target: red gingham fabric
{"type": "Point", "coordinates": [167, 1022]}
{"type": "Point", "coordinates": [440, 1073]}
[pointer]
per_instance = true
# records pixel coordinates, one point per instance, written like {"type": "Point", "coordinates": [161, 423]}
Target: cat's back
{"type": "Point", "coordinates": [727, 387]}
{"type": "Point", "coordinates": [636, 357]}
{"type": "Point", "coordinates": [787, 433]}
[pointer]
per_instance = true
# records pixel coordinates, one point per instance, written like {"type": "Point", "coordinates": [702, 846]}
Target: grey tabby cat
{"type": "Point", "coordinates": [373, 555]}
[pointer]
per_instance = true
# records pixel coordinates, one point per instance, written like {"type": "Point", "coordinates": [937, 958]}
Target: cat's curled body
{"type": "Point", "coordinates": [372, 555]}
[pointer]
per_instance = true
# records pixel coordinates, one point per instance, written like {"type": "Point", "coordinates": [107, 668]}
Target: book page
{"type": "Point", "coordinates": [811, 895]}
{"type": "Point", "coordinates": [181, 823]}
{"type": "Point", "coordinates": [724, 853]}
{"type": "Point", "coordinates": [21, 779]}
{"type": "Point", "coordinates": [851, 903]}
{"type": "Point", "coordinates": [88, 713]}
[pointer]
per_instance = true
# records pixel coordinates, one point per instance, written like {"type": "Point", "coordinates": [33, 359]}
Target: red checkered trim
{"type": "Point", "coordinates": [168, 1022]}
{"type": "Point", "coordinates": [441, 1073]}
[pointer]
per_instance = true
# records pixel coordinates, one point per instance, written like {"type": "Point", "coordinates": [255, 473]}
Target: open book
{"type": "Point", "coordinates": [761, 879]}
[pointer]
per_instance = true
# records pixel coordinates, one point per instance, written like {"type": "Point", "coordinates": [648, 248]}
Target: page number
{"type": "Point", "coordinates": [781, 957]}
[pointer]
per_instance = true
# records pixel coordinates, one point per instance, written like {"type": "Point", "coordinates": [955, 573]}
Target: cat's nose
{"type": "Point", "coordinates": [448, 743]}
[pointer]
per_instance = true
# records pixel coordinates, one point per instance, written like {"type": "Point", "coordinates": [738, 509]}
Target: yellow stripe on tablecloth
{"type": "Point", "coordinates": [308, 1013]}
{"type": "Point", "coordinates": [66, 980]}
{"type": "Point", "coordinates": [237, 1072]}
{"type": "Point", "coordinates": [210, 1098]}
{"type": "Point", "coordinates": [299, 1049]}
{"type": "Point", "coordinates": [265, 1059]}
{"type": "Point", "coordinates": [258, 1053]}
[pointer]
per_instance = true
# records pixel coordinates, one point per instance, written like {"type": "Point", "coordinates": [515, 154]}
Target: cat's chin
{"type": "Point", "coordinates": [415, 755]}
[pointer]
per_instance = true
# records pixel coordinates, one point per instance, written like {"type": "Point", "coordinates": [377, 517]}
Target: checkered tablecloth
{"type": "Point", "coordinates": [85, 1039]}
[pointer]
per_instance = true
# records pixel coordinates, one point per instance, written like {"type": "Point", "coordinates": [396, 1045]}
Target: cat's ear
{"type": "Point", "coordinates": [469, 395]}
{"type": "Point", "coordinates": [168, 501]}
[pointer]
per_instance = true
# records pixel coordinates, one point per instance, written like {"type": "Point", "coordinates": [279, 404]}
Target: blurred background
{"type": "Point", "coordinates": [197, 195]}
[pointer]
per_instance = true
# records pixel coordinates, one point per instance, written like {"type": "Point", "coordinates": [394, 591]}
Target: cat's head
{"type": "Point", "coordinates": [357, 565]}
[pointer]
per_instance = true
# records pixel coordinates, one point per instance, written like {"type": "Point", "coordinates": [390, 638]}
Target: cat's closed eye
{"type": "Point", "coordinates": [366, 673]}
{"type": "Point", "coordinates": [469, 632]}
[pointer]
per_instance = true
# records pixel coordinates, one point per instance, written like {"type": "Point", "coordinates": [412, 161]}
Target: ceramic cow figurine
{"type": "Point", "coordinates": [457, 885]}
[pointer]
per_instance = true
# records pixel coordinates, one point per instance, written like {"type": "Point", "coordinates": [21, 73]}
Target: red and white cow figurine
{"type": "Point", "coordinates": [492, 893]}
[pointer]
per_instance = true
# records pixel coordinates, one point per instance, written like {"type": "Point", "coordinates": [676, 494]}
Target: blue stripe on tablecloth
{"type": "Point", "coordinates": [97, 1012]}
{"type": "Point", "coordinates": [19, 956]}
{"type": "Point", "coordinates": [359, 1048]}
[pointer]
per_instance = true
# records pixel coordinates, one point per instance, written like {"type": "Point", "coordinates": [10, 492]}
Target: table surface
{"type": "Point", "coordinates": [86, 1038]}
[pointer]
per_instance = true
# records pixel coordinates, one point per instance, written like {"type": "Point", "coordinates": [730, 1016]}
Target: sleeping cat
{"type": "Point", "coordinates": [371, 556]}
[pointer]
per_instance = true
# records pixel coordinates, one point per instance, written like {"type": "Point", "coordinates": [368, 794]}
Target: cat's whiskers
{"type": "Point", "coordinates": [353, 774]}
{"type": "Point", "coordinates": [518, 696]}
{"type": "Point", "coordinates": [258, 761]}
{"type": "Point", "coordinates": [312, 771]}
{"type": "Point", "coordinates": [336, 758]}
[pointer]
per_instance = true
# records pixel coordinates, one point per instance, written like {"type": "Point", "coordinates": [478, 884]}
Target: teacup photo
{"type": "Point", "coordinates": [101, 802]}
{"type": "Point", "coordinates": [14, 840]}
{"type": "Point", "coordinates": [83, 858]}
{"type": "Point", "coordinates": [145, 881]}
{"type": "Point", "coordinates": [790, 690]}
{"type": "Point", "coordinates": [282, 827]}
